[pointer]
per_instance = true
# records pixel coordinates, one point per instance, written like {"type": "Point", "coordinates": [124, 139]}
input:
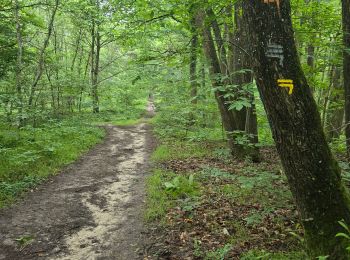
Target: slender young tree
{"type": "Point", "coordinates": [312, 172]}
{"type": "Point", "coordinates": [19, 64]}
{"type": "Point", "coordinates": [41, 62]}
{"type": "Point", "coordinates": [193, 56]}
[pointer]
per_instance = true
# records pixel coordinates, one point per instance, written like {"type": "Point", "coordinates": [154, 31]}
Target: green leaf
{"type": "Point", "coordinates": [343, 235]}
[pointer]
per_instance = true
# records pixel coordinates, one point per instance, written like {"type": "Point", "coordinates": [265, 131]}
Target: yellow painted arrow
{"type": "Point", "coordinates": [286, 83]}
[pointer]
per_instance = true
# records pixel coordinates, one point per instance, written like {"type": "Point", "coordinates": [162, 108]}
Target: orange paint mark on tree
{"type": "Point", "coordinates": [274, 1]}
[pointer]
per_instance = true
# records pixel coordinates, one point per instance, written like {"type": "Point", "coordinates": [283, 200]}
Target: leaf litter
{"type": "Point", "coordinates": [242, 207]}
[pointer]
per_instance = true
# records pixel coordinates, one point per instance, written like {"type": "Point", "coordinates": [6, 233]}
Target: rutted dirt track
{"type": "Point", "coordinates": [92, 210]}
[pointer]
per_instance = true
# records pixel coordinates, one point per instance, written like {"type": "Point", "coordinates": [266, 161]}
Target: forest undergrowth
{"type": "Point", "coordinates": [205, 204]}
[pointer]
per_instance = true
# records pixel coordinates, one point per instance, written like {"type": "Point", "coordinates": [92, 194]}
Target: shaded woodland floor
{"type": "Point", "coordinates": [235, 209]}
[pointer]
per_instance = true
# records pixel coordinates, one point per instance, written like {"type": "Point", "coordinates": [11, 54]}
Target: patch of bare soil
{"type": "Point", "coordinates": [92, 210]}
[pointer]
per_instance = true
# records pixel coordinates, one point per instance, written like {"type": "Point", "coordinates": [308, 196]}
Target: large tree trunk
{"type": "Point", "coordinates": [313, 174]}
{"type": "Point", "coordinates": [346, 69]}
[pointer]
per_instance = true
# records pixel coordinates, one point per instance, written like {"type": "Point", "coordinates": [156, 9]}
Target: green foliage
{"type": "Point", "coordinates": [9, 190]}
{"type": "Point", "coordinates": [29, 155]}
{"type": "Point", "coordinates": [164, 189]}
{"type": "Point", "coordinates": [218, 254]}
{"type": "Point", "coordinates": [179, 150]}
{"type": "Point", "coordinates": [346, 234]}
{"type": "Point", "coordinates": [338, 145]}
{"type": "Point", "coordinates": [182, 187]}
{"type": "Point", "coordinates": [264, 255]}
{"type": "Point", "coordinates": [345, 167]}
{"type": "Point", "coordinates": [193, 123]}
{"type": "Point", "coordinates": [157, 201]}
{"type": "Point", "coordinates": [216, 173]}
{"type": "Point", "coordinates": [24, 240]}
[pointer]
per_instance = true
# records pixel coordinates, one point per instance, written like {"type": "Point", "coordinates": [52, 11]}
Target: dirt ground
{"type": "Point", "coordinates": [93, 209]}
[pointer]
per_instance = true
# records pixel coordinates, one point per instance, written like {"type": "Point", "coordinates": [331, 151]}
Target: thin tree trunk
{"type": "Point", "coordinates": [53, 105]}
{"type": "Point", "coordinates": [336, 108]}
{"type": "Point", "coordinates": [41, 61]}
{"type": "Point", "coordinates": [95, 72]}
{"type": "Point", "coordinates": [77, 43]}
{"type": "Point", "coordinates": [215, 73]}
{"type": "Point", "coordinates": [313, 174]}
{"type": "Point", "coordinates": [193, 59]}
{"type": "Point", "coordinates": [327, 97]}
{"type": "Point", "coordinates": [19, 65]}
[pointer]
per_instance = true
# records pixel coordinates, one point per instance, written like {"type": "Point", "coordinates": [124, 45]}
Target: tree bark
{"type": "Point", "coordinates": [346, 69]}
{"type": "Point", "coordinates": [313, 174]}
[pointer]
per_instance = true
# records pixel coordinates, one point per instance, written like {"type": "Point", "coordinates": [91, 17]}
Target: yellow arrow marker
{"type": "Point", "coordinates": [286, 83]}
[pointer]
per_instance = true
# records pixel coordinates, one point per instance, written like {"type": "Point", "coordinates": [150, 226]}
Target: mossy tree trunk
{"type": "Point", "coordinates": [312, 172]}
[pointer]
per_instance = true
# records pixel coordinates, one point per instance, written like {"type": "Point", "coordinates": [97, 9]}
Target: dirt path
{"type": "Point", "coordinates": [92, 210]}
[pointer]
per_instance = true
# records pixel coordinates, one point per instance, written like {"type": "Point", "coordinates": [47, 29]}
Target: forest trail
{"type": "Point", "coordinates": [92, 210]}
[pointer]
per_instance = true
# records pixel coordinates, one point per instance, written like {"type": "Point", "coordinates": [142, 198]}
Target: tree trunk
{"type": "Point", "coordinates": [336, 107]}
{"type": "Point", "coordinates": [313, 174]}
{"type": "Point", "coordinates": [242, 76]}
{"type": "Point", "coordinates": [193, 59]}
{"type": "Point", "coordinates": [227, 117]}
{"type": "Point", "coordinates": [95, 97]}
{"type": "Point", "coordinates": [76, 52]}
{"type": "Point", "coordinates": [95, 55]}
{"type": "Point", "coordinates": [310, 56]}
{"type": "Point", "coordinates": [19, 64]}
{"type": "Point", "coordinates": [346, 69]}
{"type": "Point", "coordinates": [327, 97]}
{"type": "Point", "coordinates": [237, 62]}
{"type": "Point", "coordinates": [41, 61]}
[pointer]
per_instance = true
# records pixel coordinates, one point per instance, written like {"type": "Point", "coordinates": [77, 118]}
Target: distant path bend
{"type": "Point", "coordinates": [92, 210]}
